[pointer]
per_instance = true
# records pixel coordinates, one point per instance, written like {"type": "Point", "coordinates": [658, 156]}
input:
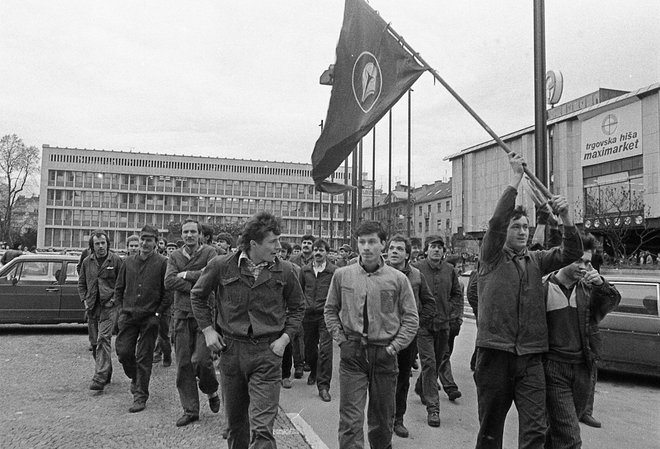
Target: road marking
{"type": "Point", "coordinates": [306, 431]}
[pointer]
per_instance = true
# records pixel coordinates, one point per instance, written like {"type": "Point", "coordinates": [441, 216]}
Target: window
{"type": "Point", "coordinates": [448, 204]}
{"type": "Point", "coordinates": [439, 206]}
{"type": "Point", "coordinates": [638, 298]}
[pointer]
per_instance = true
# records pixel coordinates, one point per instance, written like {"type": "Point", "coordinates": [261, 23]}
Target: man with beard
{"type": "Point", "coordinates": [96, 287]}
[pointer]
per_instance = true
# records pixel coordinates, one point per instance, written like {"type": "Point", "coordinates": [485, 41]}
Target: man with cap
{"type": "Point", "coordinates": [96, 287]}
{"type": "Point", "coordinates": [448, 293]}
{"type": "Point", "coordinates": [170, 248]}
{"type": "Point", "coordinates": [140, 291]}
{"type": "Point", "coordinates": [344, 255]}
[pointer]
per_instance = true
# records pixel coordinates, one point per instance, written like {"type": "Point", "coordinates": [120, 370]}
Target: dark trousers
{"type": "Point", "coordinates": [287, 362]}
{"type": "Point", "coordinates": [135, 349]}
{"type": "Point", "coordinates": [404, 361]}
{"type": "Point", "coordinates": [444, 372]}
{"type": "Point", "coordinates": [318, 351]}
{"type": "Point", "coordinates": [567, 391]}
{"type": "Point", "coordinates": [163, 344]}
{"type": "Point", "coordinates": [250, 376]}
{"type": "Point", "coordinates": [100, 322]}
{"type": "Point", "coordinates": [366, 369]}
{"type": "Point", "coordinates": [193, 361]}
{"type": "Point", "coordinates": [502, 378]}
{"type": "Point", "coordinates": [589, 409]}
{"type": "Point", "coordinates": [298, 350]}
{"type": "Point", "coordinates": [431, 345]}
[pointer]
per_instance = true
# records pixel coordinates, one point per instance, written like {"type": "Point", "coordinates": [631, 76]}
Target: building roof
{"type": "Point", "coordinates": [433, 192]}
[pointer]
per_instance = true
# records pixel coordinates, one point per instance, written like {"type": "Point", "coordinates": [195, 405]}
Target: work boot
{"type": "Point", "coordinates": [298, 372]}
{"type": "Point", "coordinates": [400, 429]}
{"type": "Point", "coordinates": [96, 386]}
{"type": "Point", "coordinates": [453, 395]}
{"type": "Point", "coordinates": [138, 406]}
{"type": "Point", "coordinates": [434, 419]}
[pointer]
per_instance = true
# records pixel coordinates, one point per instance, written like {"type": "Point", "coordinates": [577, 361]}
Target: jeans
{"type": "Point", "coordinates": [101, 322]}
{"type": "Point", "coordinates": [318, 351]}
{"type": "Point", "coordinates": [366, 369]}
{"type": "Point", "coordinates": [193, 361]}
{"type": "Point", "coordinates": [567, 390]}
{"type": "Point", "coordinates": [502, 378]}
{"type": "Point", "coordinates": [431, 345]}
{"type": "Point", "coordinates": [250, 375]}
{"type": "Point", "coordinates": [135, 349]}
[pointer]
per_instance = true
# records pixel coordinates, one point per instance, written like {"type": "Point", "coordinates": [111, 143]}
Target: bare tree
{"type": "Point", "coordinates": [619, 214]}
{"type": "Point", "coordinates": [18, 163]}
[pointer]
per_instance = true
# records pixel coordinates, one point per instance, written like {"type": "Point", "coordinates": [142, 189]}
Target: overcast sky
{"type": "Point", "coordinates": [240, 79]}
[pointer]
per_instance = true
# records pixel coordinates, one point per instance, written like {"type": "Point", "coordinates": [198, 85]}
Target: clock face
{"type": "Point", "coordinates": [617, 221]}
{"type": "Point", "coordinates": [639, 220]}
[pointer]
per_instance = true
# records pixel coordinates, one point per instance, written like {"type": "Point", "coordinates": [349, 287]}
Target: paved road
{"type": "Point", "coordinates": [44, 377]}
{"type": "Point", "coordinates": [45, 372]}
{"type": "Point", "coordinates": [629, 408]}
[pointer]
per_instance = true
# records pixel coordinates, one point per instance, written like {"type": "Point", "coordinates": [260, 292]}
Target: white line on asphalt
{"type": "Point", "coordinates": [306, 431]}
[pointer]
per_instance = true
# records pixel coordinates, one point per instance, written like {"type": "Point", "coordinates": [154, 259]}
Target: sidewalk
{"type": "Point", "coordinates": [45, 377]}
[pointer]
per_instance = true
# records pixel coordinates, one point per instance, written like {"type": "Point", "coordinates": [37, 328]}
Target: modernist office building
{"type": "Point", "coordinates": [607, 141]}
{"type": "Point", "coordinates": [119, 192]}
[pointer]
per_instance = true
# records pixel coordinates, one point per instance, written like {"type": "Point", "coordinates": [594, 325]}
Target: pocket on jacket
{"type": "Point", "coordinates": [387, 301]}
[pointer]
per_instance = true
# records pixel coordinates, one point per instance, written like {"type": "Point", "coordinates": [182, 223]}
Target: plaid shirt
{"type": "Point", "coordinates": [255, 269]}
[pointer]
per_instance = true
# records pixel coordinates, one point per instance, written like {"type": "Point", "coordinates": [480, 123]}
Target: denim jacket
{"type": "Point", "coordinates": [269, 306]}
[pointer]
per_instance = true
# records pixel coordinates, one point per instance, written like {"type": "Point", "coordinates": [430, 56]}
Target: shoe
{"type": "Point", "coordinates": [157, 358]}
{"type": "Point", "coordinates": [214, 403]}
{"type": "Point", "coordinates": [167, 361]}
{"type": "Point", "coordinates": [96, 386]}
{"type": "Point", "coordinates": [137, 406]}
{"type": "Point", "coordinates": [434, 419]}
{"type": "Point", "coordinates": [311, 380]}
{"type": "Point", "coordinates": [590, 421]}
{"type": "Point", "coordinates": [400, 429]}
{"type": "Point", "coordinates": [286, 383]}
{"type": "Point", "coordinates": [324, 395]}
{"type": "Point", "coordinates": [453, 395]}
{"type": "Point", "coordinates": [306, 367]}
{"type": "Point", "coordinates": [186, 419]}
{"type": "Point", "coordinates": [298, 373]}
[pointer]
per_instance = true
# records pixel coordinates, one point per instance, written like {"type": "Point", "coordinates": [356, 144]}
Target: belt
{"type": "Point", "coordinates": [251, 339]}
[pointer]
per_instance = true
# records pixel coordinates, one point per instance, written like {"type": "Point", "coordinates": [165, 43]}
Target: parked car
{"type": "Point", "coordinates": [40, 289]}
{"type": "Point", "coordinates": [631, 332]}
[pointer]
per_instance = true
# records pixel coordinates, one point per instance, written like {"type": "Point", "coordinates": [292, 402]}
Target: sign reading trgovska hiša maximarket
{"type": "Point", "coordinates": [615, 134]}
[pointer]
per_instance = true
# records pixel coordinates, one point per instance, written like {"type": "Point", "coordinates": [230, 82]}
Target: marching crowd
{"type": "Point", "coordinates": [267, 307]}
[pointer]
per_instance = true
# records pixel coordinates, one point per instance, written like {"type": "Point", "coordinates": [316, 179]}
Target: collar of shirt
{"type": "Point", "coordinates": [318, 268]}
{"type": "Point", "coordinates": [255, 269]}
{"type": "Point", "coordinates": [523, 253]}
{"type": "Point", "coordinates": [381, 262]}
{"type": "Point", "coordinates": [184, 250]}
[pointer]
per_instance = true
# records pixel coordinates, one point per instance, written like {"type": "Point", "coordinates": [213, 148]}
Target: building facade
{"type": "Point", "coordinates": [603, 154]}
{"type": "Point", "coordinates": [120, 192]}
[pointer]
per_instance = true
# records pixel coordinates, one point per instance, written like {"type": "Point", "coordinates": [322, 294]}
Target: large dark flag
{"type": "Point", "coordinates": [371, 73]}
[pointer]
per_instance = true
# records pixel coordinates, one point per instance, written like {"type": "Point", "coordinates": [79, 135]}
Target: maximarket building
{"type": "Point", "coordinates": [603, 156]}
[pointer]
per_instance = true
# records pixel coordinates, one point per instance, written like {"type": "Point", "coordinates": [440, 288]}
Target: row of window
{"type": "Point", "coordinates": [185, 165]}
{"type": "Point", "coordinates": [117, 181]}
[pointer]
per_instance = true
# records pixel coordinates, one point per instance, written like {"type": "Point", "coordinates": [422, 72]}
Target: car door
{"type": "Point", "coordinates": [29, 295]}
{"type": "Point", "coordinates": [72, 309]}
{"type": "Point", "coordinates": [631, 332]}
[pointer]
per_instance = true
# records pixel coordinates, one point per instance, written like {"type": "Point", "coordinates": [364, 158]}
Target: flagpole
{"type": "Point", "coordinates": [389, 180]}
{"type": "Point", "coordinates": [409, 163]}
{"type": "Point", "coordinates": [467, 107]}
{"type": "Point", "coordinates": [359, 208]}
{"type": "Point", "coordinates": [373, 177]}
